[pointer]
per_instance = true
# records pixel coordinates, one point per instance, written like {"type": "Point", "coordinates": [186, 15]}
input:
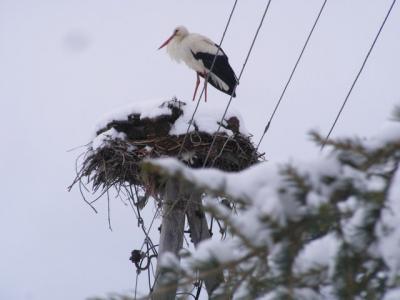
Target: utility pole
{"type": "Point", "coordinates": [178, 202]}
{"type": "Point", "coordinates": [199, 232]}
{"type": "Point", "coordinates": [171, 238]}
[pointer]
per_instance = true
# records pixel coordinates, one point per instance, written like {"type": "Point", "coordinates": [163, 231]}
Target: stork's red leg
{"type": "Point", "coordinates": [205, 86]}
{"type": "Point", "coordinates": [197, 85]}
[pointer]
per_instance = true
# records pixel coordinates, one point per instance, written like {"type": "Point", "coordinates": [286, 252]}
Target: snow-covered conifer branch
{"type": "Point", "coordinates": [325, 229]}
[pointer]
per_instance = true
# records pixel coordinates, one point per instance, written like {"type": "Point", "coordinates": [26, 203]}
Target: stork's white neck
{"type": "Point", "coordinates": [174, 48]}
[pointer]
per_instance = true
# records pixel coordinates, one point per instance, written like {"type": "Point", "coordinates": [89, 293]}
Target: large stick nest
{"type": "Point", "coordinates": [118, 161]}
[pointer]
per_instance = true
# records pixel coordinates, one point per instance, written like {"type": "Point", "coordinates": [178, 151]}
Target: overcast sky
{"type": "Point", "coordinates": [65, 63]}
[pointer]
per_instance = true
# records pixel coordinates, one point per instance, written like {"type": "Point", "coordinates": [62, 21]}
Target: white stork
{"type": "Point", "coordinates": [198, 52]}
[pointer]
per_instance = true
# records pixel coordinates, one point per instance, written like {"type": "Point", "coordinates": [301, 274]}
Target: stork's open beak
{"type": "Point", "coordinates": [167, 41]}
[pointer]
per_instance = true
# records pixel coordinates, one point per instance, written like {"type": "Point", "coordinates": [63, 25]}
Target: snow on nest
{"type": "Point", "coordinates": [206, 118]}
{"type": "Point", "coordinates": [102, 139]}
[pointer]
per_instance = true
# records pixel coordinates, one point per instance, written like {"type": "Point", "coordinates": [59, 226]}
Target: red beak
{"type": "Point", "coordinates": [167, 41]}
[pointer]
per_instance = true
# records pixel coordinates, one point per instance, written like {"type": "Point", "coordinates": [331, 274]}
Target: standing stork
{"type": "Point", "coordinates": [198, 53]}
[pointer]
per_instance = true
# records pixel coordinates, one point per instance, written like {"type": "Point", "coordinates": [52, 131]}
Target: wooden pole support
{"type": "Point", "coordinates": [171, 238]}
{"type": "Point", "coordinates": [199, 232]}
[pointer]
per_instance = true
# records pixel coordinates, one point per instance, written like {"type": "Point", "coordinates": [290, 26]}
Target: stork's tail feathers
{"type": "Point", "coordinates": [226, 86]}
{"type": "Point", "coordinates": [222, 76]}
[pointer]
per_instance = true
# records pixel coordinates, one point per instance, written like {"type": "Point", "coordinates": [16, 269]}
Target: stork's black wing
{"type": "Point", "coordinates": [222, 70]}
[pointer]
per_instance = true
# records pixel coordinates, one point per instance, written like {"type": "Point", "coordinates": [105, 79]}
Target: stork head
{"type": "Point", "coordinates": [179, 33]}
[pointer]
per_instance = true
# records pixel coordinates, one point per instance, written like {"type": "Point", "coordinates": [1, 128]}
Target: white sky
{"type": "Point", "coordinates": [65, 63]}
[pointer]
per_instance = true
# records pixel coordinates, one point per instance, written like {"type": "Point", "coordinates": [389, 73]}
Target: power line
{"type": "Point", "coordinates": [291, 74]}
{"type": "Point", "coordinates": [358, 74]}
{"type": "Point", "coordinates": [240, 75]}
{"type": "Point", "coordinates": [208, 74]}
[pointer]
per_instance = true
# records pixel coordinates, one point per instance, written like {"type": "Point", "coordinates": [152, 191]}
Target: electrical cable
{"type": "Point", "coordinates": [358, 74]}
{"type": "Point", "coordinates": [240, 75]}
{"type": "Point", "coordinates": [291, 74]}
